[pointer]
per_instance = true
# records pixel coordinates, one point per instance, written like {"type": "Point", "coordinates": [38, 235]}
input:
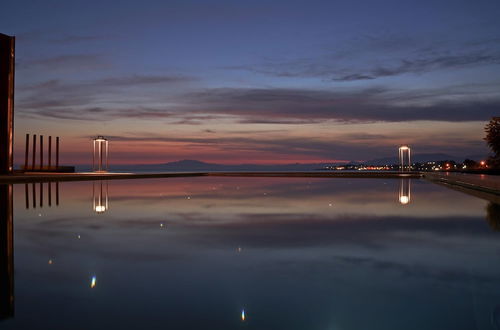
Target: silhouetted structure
{"type": "Point", "coordinates": [6, 252]}
{"type": "Point", "coordinates": [41, 166]}
{"type": "Point", "coordinates": [7, 49]}
{"type": "Point", "coordinates": [41, 195]}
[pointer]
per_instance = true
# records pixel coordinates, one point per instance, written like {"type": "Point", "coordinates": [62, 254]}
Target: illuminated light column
{"type": "Point", "coordinates": [404, 158]}
{"type": "Point", "coordinates": [100, 161]}
{"type": "Point", "coordinates": [404, 191]}
{"type": "Point", "coordinates": [100, 196]}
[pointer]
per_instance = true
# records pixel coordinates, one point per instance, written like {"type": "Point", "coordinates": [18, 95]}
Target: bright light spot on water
{"type": "Point", "coordinates": [93, 282]}
{"type": "Point", "coordinates": [404, 200]}
{"type": "Point", "coordinates": [189, 197]}
{"type": "Point", "coordinates": [243, 315]}
{"type": "Point", "coordinates": [100, 208]}
{"type": "Point", "coordinates": [51, 262]}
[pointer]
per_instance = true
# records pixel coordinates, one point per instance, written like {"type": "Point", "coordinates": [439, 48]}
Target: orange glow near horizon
{"type": "Point", "coordinates": [235, 143]}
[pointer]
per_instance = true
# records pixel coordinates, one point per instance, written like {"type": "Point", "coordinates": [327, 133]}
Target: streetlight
{"type": "Point", "coordinates": [100, 161]}
{"type": "Point", "coordinates": [404, 158]}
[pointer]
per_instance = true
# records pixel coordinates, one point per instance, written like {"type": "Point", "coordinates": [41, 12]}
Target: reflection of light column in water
{"type": "Point", "coordinates": [100, 196]}
{"type": "Point", "coordinates": [6, 252]}
{"type": "Point", "coordinates": [404, 191]}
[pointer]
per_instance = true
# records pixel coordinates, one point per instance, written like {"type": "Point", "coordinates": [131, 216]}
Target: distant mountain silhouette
{"type": "Point", "coordinates": [190, 165]}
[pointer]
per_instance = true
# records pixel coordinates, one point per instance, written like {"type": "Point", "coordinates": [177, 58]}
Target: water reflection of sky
{"type": "Point", "coordinates": [285, 253]}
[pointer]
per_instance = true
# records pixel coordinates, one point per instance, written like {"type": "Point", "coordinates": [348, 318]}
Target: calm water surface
{"type": "Point", "coordinates": [250, 253]}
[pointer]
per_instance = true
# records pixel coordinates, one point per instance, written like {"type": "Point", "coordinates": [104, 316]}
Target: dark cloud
{"type": "Point", "coordinates": [79, 100]}
{"type": "Point", "coordinates": [299, 105]}
{"type": "Point", "coordinates": [246, 105]}
{"type": "Point", "coordinates": [422, 65]}
{"type": "Point", "coordinates": [388, 54]}
{"type": "Point", "coordinates": [331, 68]}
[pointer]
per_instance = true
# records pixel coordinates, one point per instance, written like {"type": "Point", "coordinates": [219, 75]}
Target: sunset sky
{"type": "Point", "coordinates": [255, 81]}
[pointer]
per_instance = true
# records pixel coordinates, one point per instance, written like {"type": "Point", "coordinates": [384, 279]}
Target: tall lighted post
{"type": "Point", "coordinates": [100, 161]}
{"type": "Point", "coordinates": [404, 158]}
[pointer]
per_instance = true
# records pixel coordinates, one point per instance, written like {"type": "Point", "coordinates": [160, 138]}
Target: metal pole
{"type": "Point", "coordinates": [57, 152]}
{"type": "Point", "coordinates": [26, 196]}
{"type": "Point", "coordinates": [26, 153]}
{"type": "Point", "coordinates": [50, 151]}
{"type": "Point", "coordinates": [50, 193]}
{"type": "Point", "coordinates": [409, 189]}
{"type": "Point", "coordinates": [107, 189]}
{"type": "Point", "coordinates": [33, 159]}
{"type": "Point", "coordinates": [41, 194]}
{"type": "Point", "coordinates": [93, 159]}
{"type": "Point", "coordinates": [400, 164]}
{"type": "Point", "coordinates": [100, 156]}
{"type": "Point", "coordinates": [33, 191]}
{"type": "Point", "coordinates": [409, 159]}
{"type": "Point", "coordinates": [107, 160]}
{"type": "Point", "coordinates": [7, 66]}
{"type": "Point", "coordinates": [57, 193]}
{"type": "Point", "coordinates": [41, 152]}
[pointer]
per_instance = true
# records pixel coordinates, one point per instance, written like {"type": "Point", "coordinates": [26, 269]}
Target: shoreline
{"type": "Point", "coordinates": [86, 176]}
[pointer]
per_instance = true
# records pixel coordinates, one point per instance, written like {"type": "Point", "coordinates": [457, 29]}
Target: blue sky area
{"type": "Point", "coordinates": [256, 81]}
